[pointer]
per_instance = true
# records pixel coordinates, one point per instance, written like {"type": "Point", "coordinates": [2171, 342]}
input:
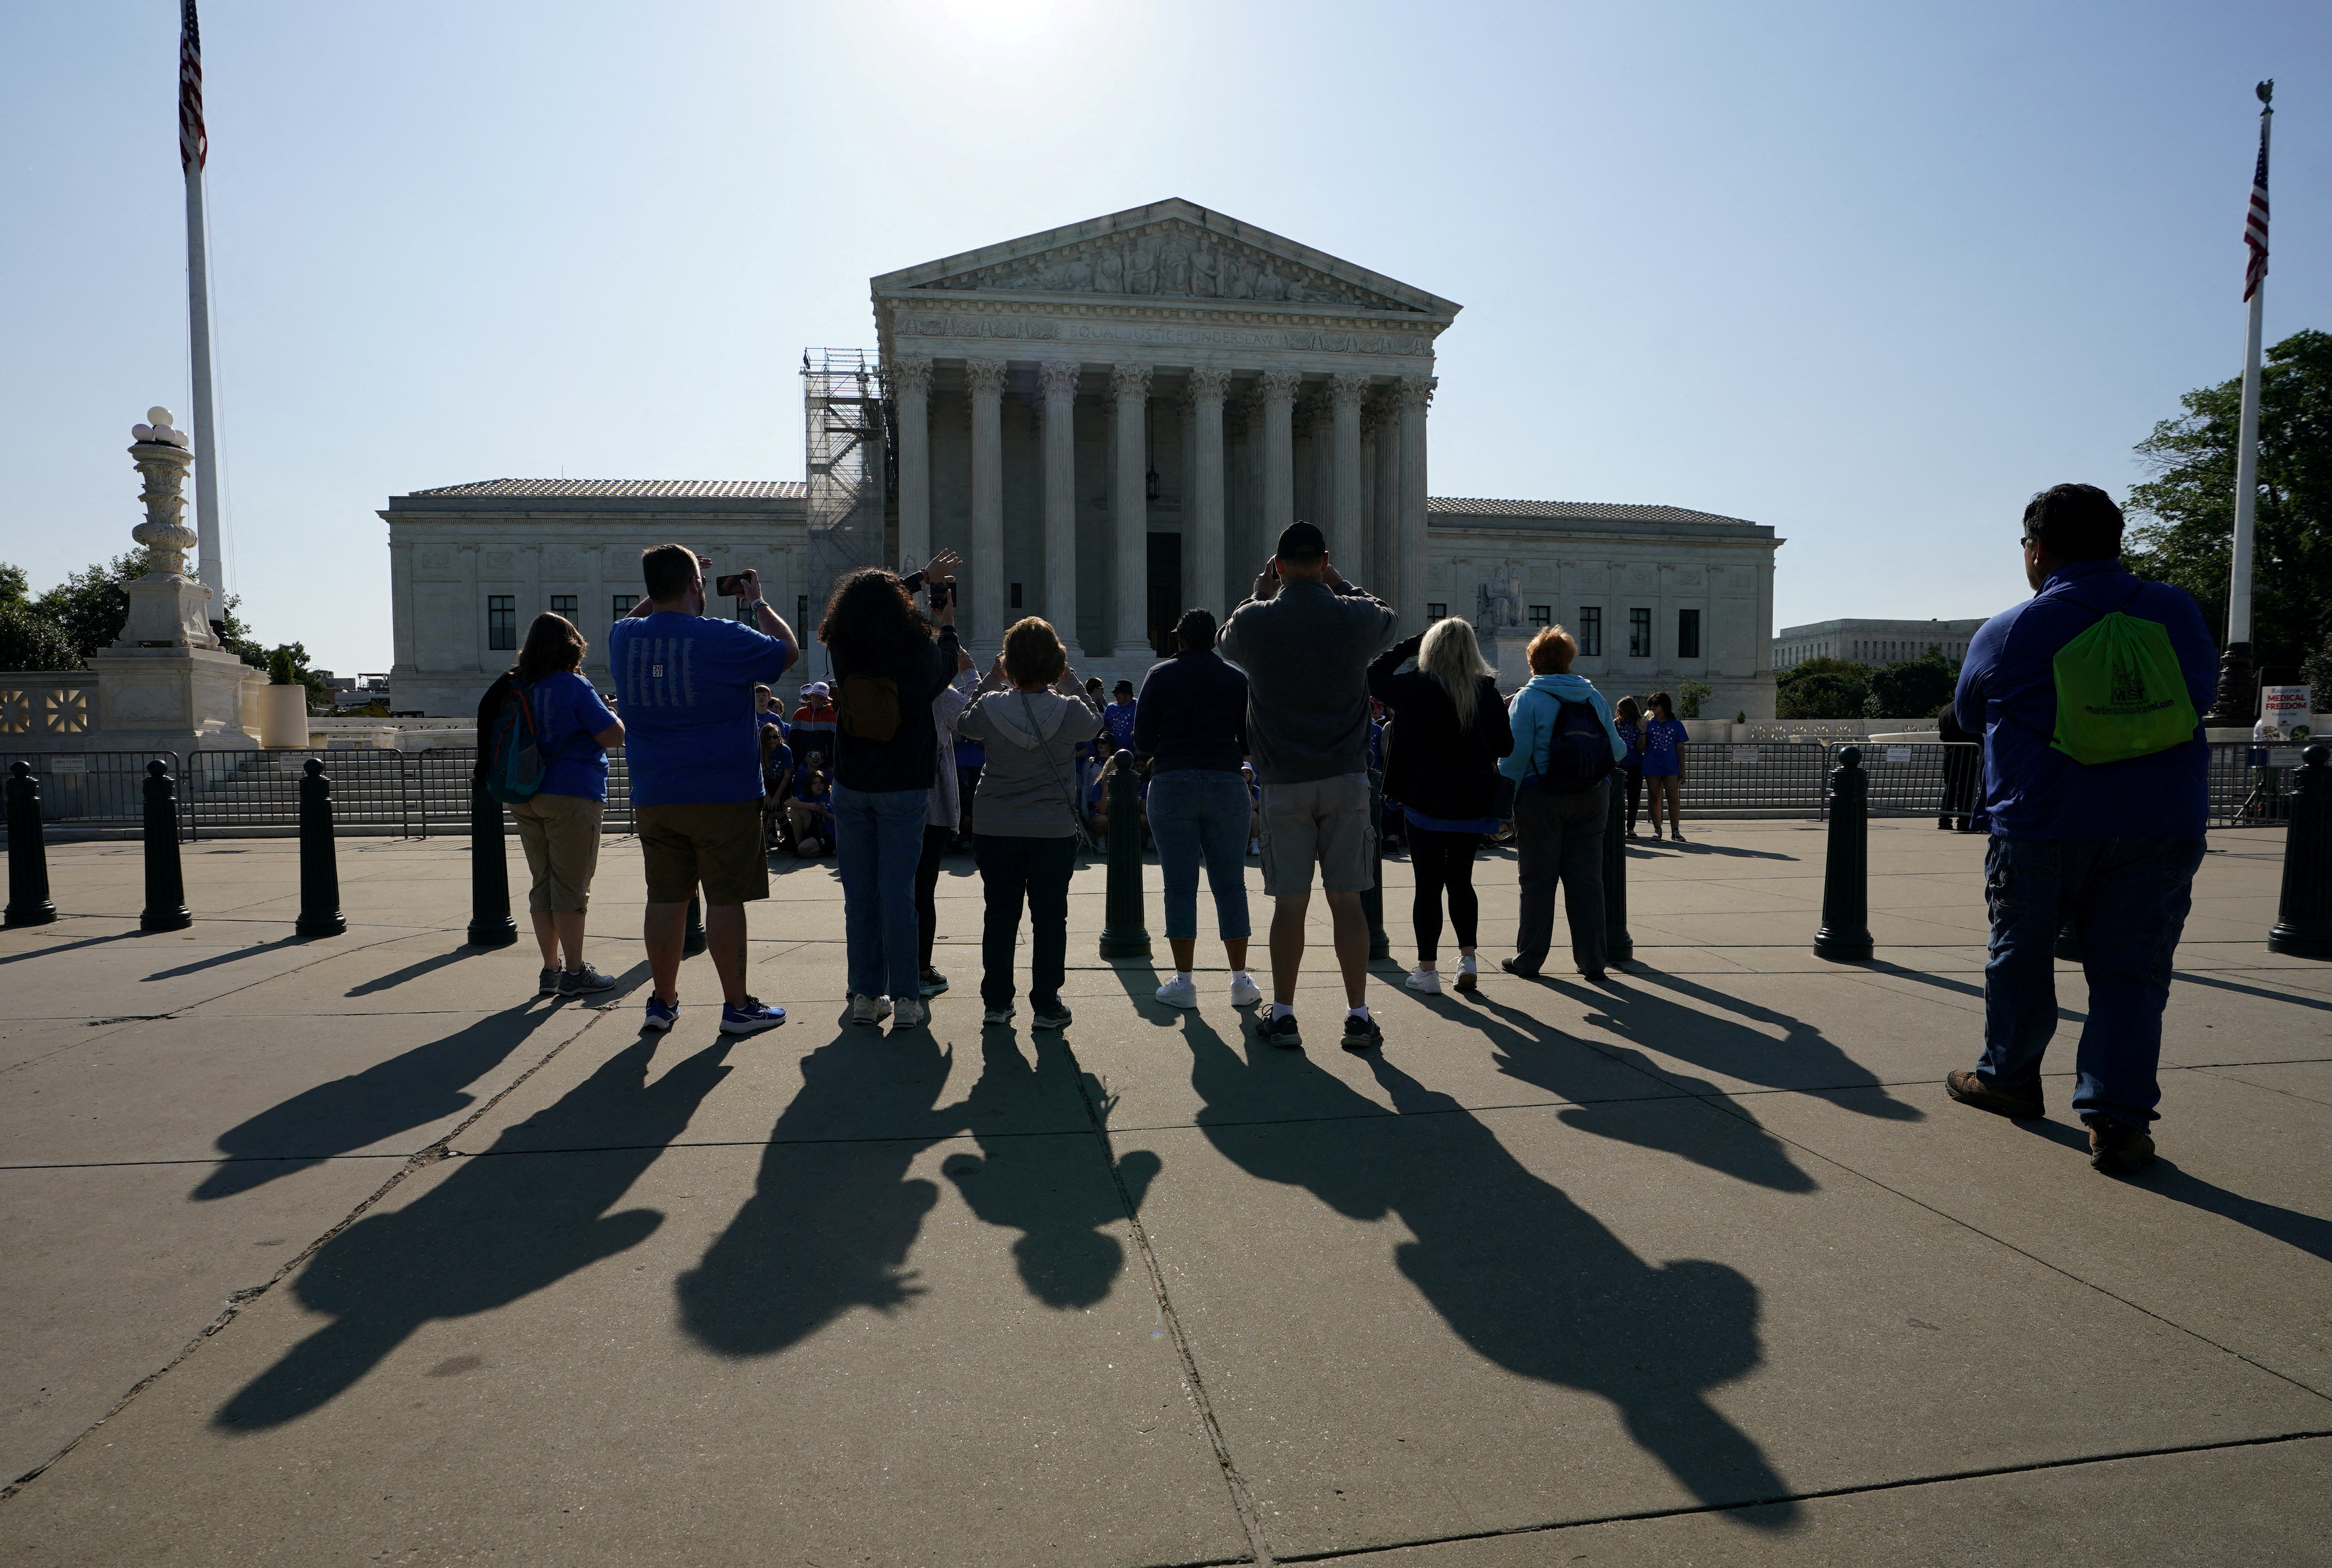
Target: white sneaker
{"type": "Point", "coordinates": [1428, 980]}
{"type": "Point", "coordinates": [1470, 974]}
{"type": "Point", "coordinates": [1245, 993]}
{"type": "Point", "coordinates": [1180, 993]}
{"type": "Point", "coordinates": [912, 1015]}
{"type": "Point", "coordinates": [869, 1008]}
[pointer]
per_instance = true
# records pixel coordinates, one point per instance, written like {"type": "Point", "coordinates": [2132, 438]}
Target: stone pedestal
{"type": "Point", "coordinates": [166, 684]}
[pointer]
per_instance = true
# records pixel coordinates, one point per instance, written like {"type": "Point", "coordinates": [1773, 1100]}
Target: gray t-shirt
{"type": "Point", "coordinates": [1306, 652]}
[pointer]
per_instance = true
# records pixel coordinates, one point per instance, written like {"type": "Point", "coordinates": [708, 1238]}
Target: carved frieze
{"type": "Point", "coordinates": [1169, 259]}
{"type": "Point", "coordinates": [921, 324]}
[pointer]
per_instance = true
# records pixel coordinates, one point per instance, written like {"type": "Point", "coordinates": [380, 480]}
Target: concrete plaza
{"type": "Point", "coordinates": [348, 1251]}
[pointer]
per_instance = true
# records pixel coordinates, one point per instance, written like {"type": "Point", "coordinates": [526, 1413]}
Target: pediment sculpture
{"type": "Point", "coordinates": [1170, 261]}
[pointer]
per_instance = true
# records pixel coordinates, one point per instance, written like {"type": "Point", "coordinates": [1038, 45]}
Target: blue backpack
{"type": "Point", "coordinates": [514, 760]}
{"type": "Point", "coordinates": [1578, 753]}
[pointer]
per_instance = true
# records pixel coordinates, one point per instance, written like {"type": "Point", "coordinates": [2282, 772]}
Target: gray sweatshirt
{"type": "Point", "coordinates": [1031, 777]}
{"type": "Point", "coordinates": [1306, 652]}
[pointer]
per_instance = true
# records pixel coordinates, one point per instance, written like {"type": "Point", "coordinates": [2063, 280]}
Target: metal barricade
{"type": "Point", "coordinates": [96, 789]}
{"type": "Point", "coordinates": [1759, 778]}
{"type": "Point", "coordinates": [1921, 778]}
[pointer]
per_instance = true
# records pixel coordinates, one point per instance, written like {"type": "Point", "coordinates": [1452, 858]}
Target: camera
{"type": "Point", "coordinates": [942, 592]}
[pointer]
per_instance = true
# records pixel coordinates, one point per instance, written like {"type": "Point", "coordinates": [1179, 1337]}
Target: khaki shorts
{"type": "Point", "coordinates": [1325, 821]}
{"type": "Point", "coordinates": [561, 837]}
{"type": "Point", "coordinates": [718, 845]}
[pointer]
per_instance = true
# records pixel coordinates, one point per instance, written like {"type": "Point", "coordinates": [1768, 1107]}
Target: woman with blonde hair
{"type": "Point", "coordinates": [1449, 731]}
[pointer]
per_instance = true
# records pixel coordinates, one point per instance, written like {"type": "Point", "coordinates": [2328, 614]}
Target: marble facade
{"type": "Point", "coordinates": [1111, 421]}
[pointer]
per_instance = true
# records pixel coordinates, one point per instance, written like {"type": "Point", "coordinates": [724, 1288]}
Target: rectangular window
{"type": "Point", "coordinates": [1436, 612]}
{"type": "Point", "coordinates": [1639, 634]}
{"type": "Point", "coordinates": [1687, 634]}
{"type": "Point", "coordinates": [622, 604]}
{"type": "Point", "coordinates": [502, 622]}
{"type": "Point", "coordinates": [801, 614]}
{"type": "Point", "coordinates": [563, 605]}
{"type": "Point", "coordinates": [1542, 615]}
{"type": "Point", "coordinates": [1591, 631]}
{"type": "Point", "coordinates": [1016, 596]}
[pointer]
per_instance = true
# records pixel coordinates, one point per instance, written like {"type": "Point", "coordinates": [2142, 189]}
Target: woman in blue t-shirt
{"type": "Point", "coordinates": [559, 824]}
{"type": "Point", "coordinates": [1664, 739]}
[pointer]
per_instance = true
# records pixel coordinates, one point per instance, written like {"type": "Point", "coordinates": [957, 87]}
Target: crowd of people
{"type": "Point", "coordinates": [1256, 738]}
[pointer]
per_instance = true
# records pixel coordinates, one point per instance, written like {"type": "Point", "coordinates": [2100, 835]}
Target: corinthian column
{"type": "Point", "coordinates": [1131, 629]}
{"type": "Point", "coordinates": [911, 396]}
{"type": "Point", "coordinates": [986, 379]}
{"type": "Point", "coordinates": [1205, 512]}
{"type": "Point", "coordinates": [1279, 389]}
{"type": "Point", "coordinates": [1415, 392]}
{"type": "Point", "coordinates": [1318, 415]}
{"type": "Point", "coordinates": [1346, 539]}
{"type": "Point", "coordinates": [1382, 429]}
{"type": "Point", "coordinates": [1058, 380]}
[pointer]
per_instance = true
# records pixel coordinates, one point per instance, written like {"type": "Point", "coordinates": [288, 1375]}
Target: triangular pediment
{"type": "Point", "coordinates": [1172, 249]}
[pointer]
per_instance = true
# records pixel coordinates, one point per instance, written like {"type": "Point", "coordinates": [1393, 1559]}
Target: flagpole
{"type": "Point", "coordinates": [2232, 708]}
{"type": "Point", "coordinates": [194, 153]}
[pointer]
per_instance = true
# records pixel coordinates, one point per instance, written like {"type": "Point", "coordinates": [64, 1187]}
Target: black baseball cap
{"type": "Point", "coordinates": [1301, 542]}
{"type": "Point", "coordinates": [1123, 686]}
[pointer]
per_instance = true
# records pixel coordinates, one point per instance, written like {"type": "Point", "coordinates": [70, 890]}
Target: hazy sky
{"type": "Point", "coordinates": [1868, 274]}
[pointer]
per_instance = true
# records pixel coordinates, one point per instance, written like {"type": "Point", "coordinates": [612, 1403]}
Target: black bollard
{"type": "Point", "coordinates": [320, 868]}
{"type": "Point", "coordinates": [693, 941]}
{"type": "Point", "coordinates": [1373, 896]}
{"type": "Point", "coordinates": [2303, 915]}
{"type": "Point", "coordinates": [28, 854]}
{"type": "Point", "coordinates": [490, 911]}
{"type": "Point", "coordinates": [1845, 934]}
{"type": "Point", "coordinates": [165, 883]}
{"type": "Point", "coordinates": [1618, 948]}
{"type": "Point", "coordinates": [1123, 932]}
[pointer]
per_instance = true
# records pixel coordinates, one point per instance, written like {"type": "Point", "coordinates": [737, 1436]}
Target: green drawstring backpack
{"type": "Point", "coordinates": [2120, 692]}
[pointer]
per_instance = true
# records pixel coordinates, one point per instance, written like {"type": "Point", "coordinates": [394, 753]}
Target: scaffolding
{"type": "Point", "coordinates": [843, 421]}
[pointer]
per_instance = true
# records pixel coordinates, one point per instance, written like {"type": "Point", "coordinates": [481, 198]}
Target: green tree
{"type": "Point", "coordinates": [287, 665]}
{"type": "Point", "coordinates": [2184, 515]}
{"type": "Point", "coordinates": [15, 586]}
{"type": "Point", "coordinates": [1690, 695]}
{"type": "Point", "coordinates": [31, 641]}
{"type": "Point", "coordinates": [90, 606]}
{"type": "Point", "coordinates": [1822, 689]}
{"type": "Point", "coordinates": [1915, 689]}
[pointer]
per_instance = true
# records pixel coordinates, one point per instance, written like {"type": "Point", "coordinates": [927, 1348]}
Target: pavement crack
{"type": "Point", "coordinates": [237, 1300]}
{"type": "Point", "coordinates": [1242, 1496]}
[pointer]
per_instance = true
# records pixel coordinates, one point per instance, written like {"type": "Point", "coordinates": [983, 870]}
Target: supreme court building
{"type": "Point", "coordinates": [1111, 421]}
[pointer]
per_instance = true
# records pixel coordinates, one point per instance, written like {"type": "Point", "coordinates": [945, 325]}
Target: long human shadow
{"type": "Point", "coordinates": [505, 1224]}
{"type": "Point", "coordinates": [1524, 1276]}
{"type": "Point", "coordinates": [407, 1091]}
{"type": "Point", "coordinates": [2323, 1003]}
{"type": "Point", "coordinates": [833, 1213]}
{"type": "Point", "coordinates": [1802, 1061]}
{"type": "Point", "coordinates": [1051, 1188]}
{"type": "Point", "coordinates": [2308, 1232]}
{"type": "Point", "coordinates": [1538, 1053]}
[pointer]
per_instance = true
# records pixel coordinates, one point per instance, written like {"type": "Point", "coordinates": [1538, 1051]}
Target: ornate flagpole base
{"type": "Point", "coordinates": [2236, 702]}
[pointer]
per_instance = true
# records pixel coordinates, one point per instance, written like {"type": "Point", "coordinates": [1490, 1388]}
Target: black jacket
{"type": "Point", "coordinates": [1192, 713]}
{"type": "Point", "coordinates": [1435, 767]}
{"type": "Point", "coordinates": [907, 757]}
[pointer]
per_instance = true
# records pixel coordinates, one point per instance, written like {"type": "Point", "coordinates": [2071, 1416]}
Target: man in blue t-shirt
{"type": "Point", "coordinates": [1119, 714]}
{"type": "Point", "coordinates": [684, 682]}
{"type": "Point", "coordinates": [2109, 849]}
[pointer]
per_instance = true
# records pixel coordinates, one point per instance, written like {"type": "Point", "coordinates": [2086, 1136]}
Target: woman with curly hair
{"type": "Point", "coordinates": [889, 662]}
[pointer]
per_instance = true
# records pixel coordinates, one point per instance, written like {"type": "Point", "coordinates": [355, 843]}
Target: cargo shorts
{"type": "Point", "coordinates": [717, 844]}
{"type": "Point", "coordinates": [1322, 820]}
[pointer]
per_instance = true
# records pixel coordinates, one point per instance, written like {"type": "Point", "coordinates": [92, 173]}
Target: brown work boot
{"type": "Point", "coordinates": [1971, 1091]}
{"type": "Point", "coordinates": [2118, 1149]}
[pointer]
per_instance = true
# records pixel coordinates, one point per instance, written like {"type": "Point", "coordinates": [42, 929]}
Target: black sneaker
{"type": "Point", "coordinates": [2118, 1149]}
{"type": "Point", "coordinates": [1513, 966]}
{"type": "Point", "coordinates": [1282, 1031]}
{"type": "Point", "coordinates": [1051, 1014]}
{"type": "Point", "coordinates": [584, 982]}
{"type": "Point", "coordinates": [1361, 1034]}
{"type": "Point", "coordinates": [547, 984]}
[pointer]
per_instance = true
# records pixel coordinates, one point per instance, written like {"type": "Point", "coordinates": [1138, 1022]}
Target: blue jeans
{"type": "Point", "coordinates": [1196, 811]}
{"type": "Point", "coordinates": [2126, 899]}
{"type": "Point", "coordinates": [878, 838]}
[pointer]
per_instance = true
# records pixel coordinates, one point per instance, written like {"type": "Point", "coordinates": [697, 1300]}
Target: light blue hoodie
{"type": "Point", "coordinates": [1533, 714]}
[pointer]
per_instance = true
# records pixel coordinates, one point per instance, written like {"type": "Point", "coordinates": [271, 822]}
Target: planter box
{"type": "Point", "coordinates": [283, 716]}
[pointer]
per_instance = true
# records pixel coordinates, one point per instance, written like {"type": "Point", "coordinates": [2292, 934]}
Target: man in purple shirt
{"type": "Point", "coordinates": [2111, 848]}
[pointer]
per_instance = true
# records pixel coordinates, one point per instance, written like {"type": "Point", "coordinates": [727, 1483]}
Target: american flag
{"type": "Point", "coordinates": [194, 143]}
{"type": "Point", "coordinates": [2254, 224]}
